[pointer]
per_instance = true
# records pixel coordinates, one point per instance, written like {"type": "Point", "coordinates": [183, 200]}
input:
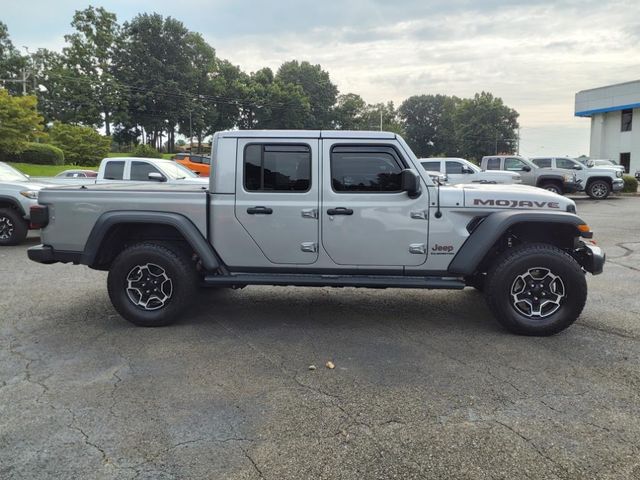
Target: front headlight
{"type": "Point", "coordinates": [618, 174]}
{"type": "Point", "coordinates": [32, 194]}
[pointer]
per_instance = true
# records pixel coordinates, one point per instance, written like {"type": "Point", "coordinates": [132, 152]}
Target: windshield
{"type": "Point", "coordinates": [10, 174]}
{"type": "Point", "coordinates": [175, 171]}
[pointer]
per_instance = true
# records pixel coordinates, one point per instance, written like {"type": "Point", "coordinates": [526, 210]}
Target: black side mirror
{"type": "Point", "coordinates": [410, 183]}
{"type": "Point", "coordinates": [526, 168]}
{"type": "Point", "coordinates": [577, 167]}
{"type": "Point", "coordinates": [466, 169]}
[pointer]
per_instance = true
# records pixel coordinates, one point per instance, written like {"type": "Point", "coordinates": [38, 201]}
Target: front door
{"type": "Point", "coordinates": [366, 218]}
{"type": "Point", "coordinates": [512, 164]}
{"type": "Point", "coordinates": [277, 197]}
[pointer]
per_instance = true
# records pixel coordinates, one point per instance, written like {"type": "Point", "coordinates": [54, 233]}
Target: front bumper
{"type": "Point", "coordinates": [47, 255]}
{"type": "Point", "coordinates": [618, 184]}
{"type": "Point", "coordinates": [572, 187]}
{"type": "Point", "coordinates": [591, 258]}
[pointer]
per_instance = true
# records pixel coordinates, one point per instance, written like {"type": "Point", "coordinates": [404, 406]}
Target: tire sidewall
{"type": "Point", "coordinates": [552, 187]}
{"type": "Point", "coordinates": [174, 269]}
{"type": "Point", "coordinates": [596, 182]}
{"type": "Point", "coordinates": [20, 227]}
{"type": "Point", "coordinates": [575, 294]}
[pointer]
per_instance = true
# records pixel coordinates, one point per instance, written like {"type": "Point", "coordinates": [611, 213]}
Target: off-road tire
{"type": "Point", "coordinates": [552, 187]}
{"type": "Point", "coordinates": [598, 189]}
{"type": "Point", "coordinates": [512, 265]}
{"type": "Point", "coordinates": [160, 261]}
{"type": "Point", "coordinates": [13, 228]}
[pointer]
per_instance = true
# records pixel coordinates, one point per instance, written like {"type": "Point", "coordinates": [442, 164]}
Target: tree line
{"type": "Point", "coordinates": [150, 79]}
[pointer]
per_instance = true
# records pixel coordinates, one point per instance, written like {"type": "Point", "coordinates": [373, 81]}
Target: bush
{"type": "Point", "coordinates": [81, 145]}
{"type": "Point", "coordinates": [41, 154]}
{"type": "Point", "coordinates": [630, 184]}
{"type": "Point", "coordinates": [145, 151]}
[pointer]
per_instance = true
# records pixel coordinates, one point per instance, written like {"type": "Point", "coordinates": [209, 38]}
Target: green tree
{"type": "Point", "coordinates": [316, 85]}
{"type": "Point", "coordinates": [146, 151]}
{"type": "Point", "coordinates": [429, 124]}
{"type": "Point", "coordinates": [385, 115]}
{"type": "Point", "coordinates": [11, 62]}
{"type": "Point", "coordinates": [350, 112]}
{"type": "Point", "coordinates": [89, 60]}
{"type": "Point", "coordinates": [484, 125]}
{"type": "Point", "coordinates": [81, 145]}
{"type": "Point", "coordinates": [19, 122]}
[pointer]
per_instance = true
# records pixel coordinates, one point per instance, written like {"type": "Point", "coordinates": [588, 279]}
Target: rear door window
{"type": "Point", "coordinates": [277, 168]}
{"type": "Point", "coordinates": [114, 170]}
{"type": "Point", "coordinates": [493, 164]}
{"type": "Point", "coordinates": [431, 166]}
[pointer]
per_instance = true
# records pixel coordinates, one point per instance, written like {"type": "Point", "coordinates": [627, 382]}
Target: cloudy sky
{"type": "Point", "coordinates": [535, 55]}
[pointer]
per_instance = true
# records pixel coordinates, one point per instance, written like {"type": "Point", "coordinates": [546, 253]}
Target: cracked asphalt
{"type": "Point", "coordinates": [426, 384]}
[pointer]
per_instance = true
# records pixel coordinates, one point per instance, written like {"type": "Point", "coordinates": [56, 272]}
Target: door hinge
{"type": "Point", "coordinates": [310, 213]}
{"type": "Point", "coordinates": [311, 247]}
{"type": "Point", "coordinates": [419, 214]}
{"type": "Point", "coordinates": [418, 248]}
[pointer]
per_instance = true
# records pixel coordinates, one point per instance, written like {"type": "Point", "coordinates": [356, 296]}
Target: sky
{"type": "Point", "coordinates": [535, 55]}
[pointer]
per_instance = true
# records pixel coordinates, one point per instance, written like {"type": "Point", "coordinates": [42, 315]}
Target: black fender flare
{"type": "Point", "coordinates": [487, 233]}
{"type": "Point", "coordinates": [181, 223]}
{"type": "Point", "coordinates": [14, 203]}
{"type": "Point", "coordinates": [549, 178]}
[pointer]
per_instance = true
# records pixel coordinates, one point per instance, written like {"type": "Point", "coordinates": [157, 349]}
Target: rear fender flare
{"type": "Point", "coordinates": [181, 223]}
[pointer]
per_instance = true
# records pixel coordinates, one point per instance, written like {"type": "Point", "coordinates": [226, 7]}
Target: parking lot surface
{"type": "Point", "coordinates": [425, 385]}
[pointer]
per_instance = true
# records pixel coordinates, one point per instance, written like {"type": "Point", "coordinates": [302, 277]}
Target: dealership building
{"type": "Point", "coordinates": [613, 134]}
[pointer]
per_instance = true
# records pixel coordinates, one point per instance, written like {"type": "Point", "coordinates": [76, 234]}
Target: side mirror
{"type": "Point", "coordinates": [466, 169]}
{"type": "Point", "coordinates": [526, 168]}
{"type": "Point", "coordinates": [410, 183]}
{"type": "Point", "coordinates": [156, 177]}
{"type": "Point", "coordinates": [577, 167]}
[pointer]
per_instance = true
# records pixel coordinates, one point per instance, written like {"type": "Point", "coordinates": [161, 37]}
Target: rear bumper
{"type": "Point", "coordinates": [47, 255]}
{"type": "Point", "coordinates": [591, 258]}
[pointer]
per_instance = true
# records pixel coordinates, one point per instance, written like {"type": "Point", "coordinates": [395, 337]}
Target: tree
{"type": "Point", "coordinates": [429, 124]}
{"type": "Point", "coordinates": [484, 125]}
{"type": "Point", "coordinates": [19, 122]}
{"type": "Point", "coordinates": [350, 112]}
{"type": "Point", "coordinates": [11, 63]}
{"type": "Point", "coordinates": [382, 116]}
{"type": "Point", "coordinates": [81, 145]}
{"type": "Point", "coordinates": [89, 60]}
{"type": "Point", "coordinates": [316, 85]}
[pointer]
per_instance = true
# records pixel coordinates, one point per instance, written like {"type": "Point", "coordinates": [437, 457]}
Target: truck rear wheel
{"type": "Point", "coordinates": [598, 189]}
{"type": "Point", "coordinates": [536, 289]}
{"type": "Point", "coordinates": [151, 285]}
{"type": "Point", "coordinates": [13, 228]}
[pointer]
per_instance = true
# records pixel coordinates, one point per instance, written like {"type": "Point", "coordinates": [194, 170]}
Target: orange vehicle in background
{"type": "Point", "coordinates": [196, 163]}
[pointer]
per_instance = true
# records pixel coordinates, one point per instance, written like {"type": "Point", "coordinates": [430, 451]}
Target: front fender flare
{"type": "Point", "coordinates": [487, 233]}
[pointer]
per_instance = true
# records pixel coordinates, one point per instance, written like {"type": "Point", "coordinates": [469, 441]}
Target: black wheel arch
{"type": "Point", "coordinates": [10, 202]}
{"type": "Point", "coordinates": [560, 229]}
{"type": "Point", "coordinates": [114, 230]}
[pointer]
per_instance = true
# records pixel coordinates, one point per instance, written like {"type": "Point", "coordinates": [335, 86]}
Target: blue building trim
{"type": "Point", "coordinates": [588, 113]}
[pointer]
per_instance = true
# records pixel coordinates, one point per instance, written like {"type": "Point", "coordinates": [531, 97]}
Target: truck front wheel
{"type": "Point", "coordinates": [13, 228]}
{"type": "Point", "coordinates": [152, 284]}
{"type": "Point", "coordinates": [598, 189]}
{"type": "Point", "coordinates": [552, 187]}
{"type": "Point", "coordinates": [536, 289]}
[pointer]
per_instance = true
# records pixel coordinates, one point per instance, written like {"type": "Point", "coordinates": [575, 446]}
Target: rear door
{"type": "Point", "coordinates": [367, 220]}
{"type": "Point", "coordinates": [277, 197]}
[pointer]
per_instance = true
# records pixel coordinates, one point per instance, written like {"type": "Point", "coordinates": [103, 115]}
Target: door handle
{"type": "Point", "coordinates": [340, 211]}
{"type": "Point", "coordinates": [259, 211]}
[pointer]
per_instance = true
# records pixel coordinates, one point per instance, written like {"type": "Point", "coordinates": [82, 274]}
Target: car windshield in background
{"type": "Point", "coordinates": [10, 174]}
{"type": "Point", "coordinates": [176, 171]}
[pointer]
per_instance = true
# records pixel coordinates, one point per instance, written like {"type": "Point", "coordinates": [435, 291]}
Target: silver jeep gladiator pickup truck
{"type": "Point", "coordinates": [323, 208]}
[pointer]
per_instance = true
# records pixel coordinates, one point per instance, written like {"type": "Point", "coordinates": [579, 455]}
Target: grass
{"type": "Point", "coordinates": [45, 170]}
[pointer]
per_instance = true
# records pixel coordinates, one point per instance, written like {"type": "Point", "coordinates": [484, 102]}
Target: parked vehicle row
{"type": "Point", "coordinates": [199, 164]}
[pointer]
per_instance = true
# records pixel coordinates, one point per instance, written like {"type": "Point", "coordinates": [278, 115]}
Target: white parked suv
{"type": "Point", "coordinates": [598, 181]}
{"type": "Point", "coordinates": [459, 170]}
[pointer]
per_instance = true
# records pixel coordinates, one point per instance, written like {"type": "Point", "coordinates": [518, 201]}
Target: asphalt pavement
{"type": "Point", "coordinates": [425, 384]}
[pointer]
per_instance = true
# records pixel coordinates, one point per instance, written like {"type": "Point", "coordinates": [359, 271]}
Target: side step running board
{"type": "Point", "coordinates": [300, 280]}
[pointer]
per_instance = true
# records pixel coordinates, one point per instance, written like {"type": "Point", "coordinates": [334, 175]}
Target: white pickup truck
{"type": "Point", "coordinates": [133, 169]}
{"type": "Point", "coordinates": [459, 170]}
